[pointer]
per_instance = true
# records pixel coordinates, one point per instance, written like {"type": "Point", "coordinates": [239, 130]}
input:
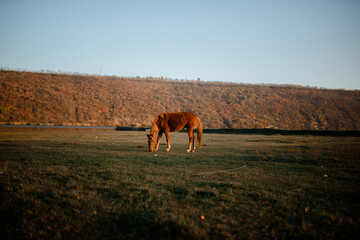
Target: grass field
{"type": "Point", "coordinates": [104, 184]}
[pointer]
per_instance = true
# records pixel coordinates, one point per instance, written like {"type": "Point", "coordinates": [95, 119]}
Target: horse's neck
{"type": "Point", "coordinates": [154, 129]}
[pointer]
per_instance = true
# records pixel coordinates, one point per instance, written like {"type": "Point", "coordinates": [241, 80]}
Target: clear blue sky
{"type": "Point", "coordinates": [307, 42]}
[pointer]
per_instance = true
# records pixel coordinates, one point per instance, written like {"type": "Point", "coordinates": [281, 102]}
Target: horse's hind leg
{"type": "Point", "coordinates": [191, 140]}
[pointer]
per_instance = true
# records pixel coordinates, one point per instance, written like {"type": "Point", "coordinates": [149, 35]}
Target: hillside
{"type": "Point", "coordinates": [65, 99]}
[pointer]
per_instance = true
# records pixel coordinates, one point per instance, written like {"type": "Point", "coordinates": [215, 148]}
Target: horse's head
{"type": "Point", "coordinates": [151, 142]}
{"type": "Point", "coordinates": [154, 130]}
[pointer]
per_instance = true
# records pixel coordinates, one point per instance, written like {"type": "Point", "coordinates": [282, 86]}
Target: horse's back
{"type": "Point", "coordinates": [178, 120]}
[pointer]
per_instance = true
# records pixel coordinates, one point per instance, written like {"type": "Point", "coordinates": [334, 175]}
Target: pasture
{"type": "Point", "coordinates": [104, 184]}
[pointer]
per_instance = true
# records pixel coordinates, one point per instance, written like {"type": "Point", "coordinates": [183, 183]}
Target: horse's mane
{"type": "Point", "coordinates": [155, 129]}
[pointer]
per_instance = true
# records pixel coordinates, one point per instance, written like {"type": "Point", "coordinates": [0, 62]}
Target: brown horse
{"type": "Point", "coordinates": [174, 122]}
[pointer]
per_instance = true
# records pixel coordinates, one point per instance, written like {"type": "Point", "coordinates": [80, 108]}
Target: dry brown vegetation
{"type": "Point", "coordinates": [69, 99]}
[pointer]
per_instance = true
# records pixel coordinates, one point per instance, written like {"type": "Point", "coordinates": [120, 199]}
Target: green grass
{"type": "Point", "coordinates": [103, 184]}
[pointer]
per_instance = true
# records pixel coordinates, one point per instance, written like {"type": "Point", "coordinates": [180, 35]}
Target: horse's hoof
{"type": "Point", "coordinates": [168, 149]}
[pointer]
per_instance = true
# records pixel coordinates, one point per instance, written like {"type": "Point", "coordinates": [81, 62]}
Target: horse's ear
{"type": "Point", "coordinates": [161, 115]}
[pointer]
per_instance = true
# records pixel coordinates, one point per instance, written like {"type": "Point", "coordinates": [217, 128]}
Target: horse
{"type": "Point", "coordinates": [174, 122]}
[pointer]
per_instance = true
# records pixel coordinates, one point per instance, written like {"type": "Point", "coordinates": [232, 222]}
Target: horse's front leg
{"type": "Point", "coordinates": [167, 135]}
{"type": "Point", "coordinates": [158, 141]}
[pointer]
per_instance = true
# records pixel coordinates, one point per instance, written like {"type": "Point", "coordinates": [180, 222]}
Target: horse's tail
{"type": "Point", "coordinates": [199, 132]}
